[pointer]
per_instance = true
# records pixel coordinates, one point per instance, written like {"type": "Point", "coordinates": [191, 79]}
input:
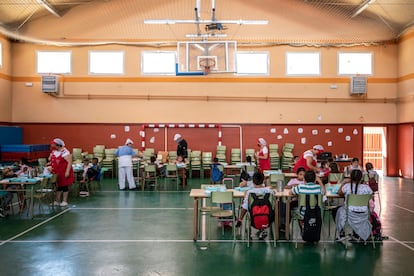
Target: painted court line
{"type": "Point", "coordinates": [34, 227]}
{"type": "Point", "coordinates": [131, 208]}
{"type": "Point", "coordinates": [402, 243]}
{"type": "Point", "coordinates": [411, 211]}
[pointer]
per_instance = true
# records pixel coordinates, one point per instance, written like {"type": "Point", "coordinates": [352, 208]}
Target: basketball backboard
{"type": "Point", "coordinates": [194, 57]}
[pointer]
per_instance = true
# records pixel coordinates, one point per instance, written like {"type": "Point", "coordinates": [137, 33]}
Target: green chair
{"type": "Point", "coordinates": [150, 176]}
{"type": "Point", "coordinates": [171, 173]}
{"type": "Point", "coordinates": [220, 214]}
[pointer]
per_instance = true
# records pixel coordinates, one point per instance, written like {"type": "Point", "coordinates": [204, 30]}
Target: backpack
{"type": "Point", "coordinates": [215, 173]}
{"type": "Point", "coordinates": [312, 222]}
{"type": "Point", "coordinates": [372, 183]}
{"type": "Point", "coordinates": [376, 225]}
{"type": "Point", "coordinates": [261, 211]}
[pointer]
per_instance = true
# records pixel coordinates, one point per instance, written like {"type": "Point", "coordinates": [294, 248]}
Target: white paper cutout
{"type": "Point", "coordinates": [340, 130]}
{"type": "Point", "coordinates": [314, 131]}
{"type": "Point", "coordinates": [329, 143]}
{"type": "Point", "coordinates": [279, 137]}
{"type": "Point", "coordinates": [300, 130]}
{"type": "Point", "coordinates": [273, 130]}
{"type": "Point", "coordinates": [156, 129]}
{"type": "Point", "coordinates": [142, 133]}
{"type": "Point", "coordinates": [285, 131]}
{"type": "Point", "coordinates": [126, 128]}
{"type": "Point", "coordinates": [355, 132]}
{"type": "Point", "coordinates": [152, 140]}
{"type": "Point", "coordinates": [113, 136]}
{"type": "Point", "coordinates": [347, 138]}
{"type": "Point", "coordinates": [303, 140]}
{"type": "Point", "coordinates": [319, 117]}
{"type": "Point", "coordinates": [327, 130]}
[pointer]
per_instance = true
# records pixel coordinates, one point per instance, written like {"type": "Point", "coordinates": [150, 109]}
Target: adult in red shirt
{"type": "Point", "coordinates": [308, 160]}
{"type": "Point", "coordinates": [61, 162]}
{"type": "Point", "coordinates": [263, 156]}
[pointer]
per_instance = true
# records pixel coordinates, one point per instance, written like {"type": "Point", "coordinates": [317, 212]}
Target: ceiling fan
{"type": "Point", "coordinates": [211, 27]}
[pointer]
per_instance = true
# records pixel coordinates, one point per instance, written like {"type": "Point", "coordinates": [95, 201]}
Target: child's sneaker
{"type": "Point", "coordinates": [55, 203]}
{"type": "Point", "coordinates": [63, 204]}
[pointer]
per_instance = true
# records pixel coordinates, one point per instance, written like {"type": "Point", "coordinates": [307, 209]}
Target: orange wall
{"type": "Point", "coordinates": [405, 148]}
{"type": "Point", "coordinates": [5, 83]}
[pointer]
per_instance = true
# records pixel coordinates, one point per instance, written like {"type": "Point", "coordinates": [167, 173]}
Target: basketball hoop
{"type": "Point", "coordinates": [206, 64]}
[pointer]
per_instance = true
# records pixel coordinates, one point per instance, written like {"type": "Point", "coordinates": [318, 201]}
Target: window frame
{"type": "Point", "coordinates": [53, 51]}
{"type": "Point", "coordinates": [355, 74]}
{"type": "Point", "coordinates": [158, 73]}
{"type": "Point", "coordinates": [304, 74]}
{"type": "Point", "coordinates": [253, 53]}
{"type": "Point", "coordinates": [103, 73]}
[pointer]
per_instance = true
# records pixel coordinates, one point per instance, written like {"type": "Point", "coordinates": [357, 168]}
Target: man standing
{"type": "Point", "coordinates": [182, 146]}
{"type": "Point", "coordinates": [125, 154]}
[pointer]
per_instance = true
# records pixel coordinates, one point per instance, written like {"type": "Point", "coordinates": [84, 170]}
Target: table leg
{"type": "Point", "coordinates": [287, 220]}
{"type": "Point", "coordinates": [195, 216]}
{"type": "Point", "coordinates": [277, 218]}
{"type": "Point", "coordinates": [31, 202]}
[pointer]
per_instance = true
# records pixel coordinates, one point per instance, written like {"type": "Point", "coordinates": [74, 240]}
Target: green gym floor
{"type": "Point", "coordinates": [150, 233]}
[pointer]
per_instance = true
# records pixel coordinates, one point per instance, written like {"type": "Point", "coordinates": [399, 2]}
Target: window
{"type": "Point", "coordinates": [303, 63]}
{"type": "Point", "coordinates": [54, 62]}
{"type": "Point", "coordinates": [158, 63]}
{"type": "Point", "coordinates": [355, 63]}
{"type": "Point", "coordinates": [106, 62]}
{"type": "Point", "coordinates": [252, 63]}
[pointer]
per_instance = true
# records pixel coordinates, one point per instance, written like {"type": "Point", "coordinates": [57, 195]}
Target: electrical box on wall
{"type": "Point", "coordinates": [358, 86]}
{"type": "Point", "coordinates": [50, 84]}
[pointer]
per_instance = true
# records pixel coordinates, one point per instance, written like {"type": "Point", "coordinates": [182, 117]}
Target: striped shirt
{"type": "Point", "coordinates": [307, 189]}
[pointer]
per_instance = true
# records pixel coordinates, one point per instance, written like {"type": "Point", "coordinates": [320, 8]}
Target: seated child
{"type": "Point", "coordinates": [94, 169]}
{"type": "Point", "coordinates": [324, 172]}
{"type": "Point", "coordinates": [85, 166]}
{"type": "Point", "coordinates": [8, 195]}
{"type": "Point", "coordinates": [23, 166]}
{"type": "Point", "coordinates": [298, 180]}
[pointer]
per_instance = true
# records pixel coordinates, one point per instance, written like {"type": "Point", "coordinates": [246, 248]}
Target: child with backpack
{"type": "Point", "coordinates": [216, 173]}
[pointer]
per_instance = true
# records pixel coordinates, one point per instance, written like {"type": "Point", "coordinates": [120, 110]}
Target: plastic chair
{"type": "Point", "coordinates": [248, 221]}
{"type": "Point", "coordinates": [220, 214]}
{"type": "Point", "coordinates": [274, 178]}
{"type": "Point", "coordinates": [171, 173]}
{"type": "Point", "coordinates": [150, 176]}
{"type": "Point", "coordinates": [335, 178]}
{"type": "Point", "coordinates": [357, 201]}
{"type": "Point", "coordinates": [43, 194]}
{"type": "Point", "coordinates": [377, 193]}
{"type": "Point", "coordinates": [297, 217]}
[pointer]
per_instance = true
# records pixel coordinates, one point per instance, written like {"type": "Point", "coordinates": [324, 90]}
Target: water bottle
{"type": "Point", "coordinates": [30, 173]}
{"type": "Point", "coordinates": [279, 186]}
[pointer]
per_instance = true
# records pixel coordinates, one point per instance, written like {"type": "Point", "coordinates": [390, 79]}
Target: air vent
{"type": "Point", "coordinates": [49, 84]}
{"type": "Point", "coordinates": [358, 85]}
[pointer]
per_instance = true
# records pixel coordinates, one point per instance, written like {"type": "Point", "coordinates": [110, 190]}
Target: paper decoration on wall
{"type": "Point", "coordinates": [319, 117]}
{"type": "Point", "coordinates": [142, 133]}
{"type": "Point", "coordinates": [285, 131]}
{"type": "Point", "coordinates": [303, 140]}
{"type": "Point", "coordinates": [113, 136]}
{"type": "Point", "coordinates": [273, 130]}
{"type": "Point", "coordinates": [314, 131]}
{"type": "Point", "coordinates": [329, 143]}
{"type": "Point", "coordinates": [327, 130]}
{"type": "Point", "coordinates": [340, 130]}
{"type": "Point", "coordinates": [300, 130]}
{"type": "Point", "coordinates": [279, 137]}
{"type": "Point", "coordinates": [152, 140]}
{"type": "Point", "coordinates": [126, 128]}
{"type": "Point", "coordinates": [355, 132]}
{"type": "Point", "coordinates": [156, 130]}
{"type": "Point", "coordinates": [347, 138]}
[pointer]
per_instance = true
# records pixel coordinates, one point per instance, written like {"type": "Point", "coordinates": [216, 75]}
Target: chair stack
{"type": "Point", "coordinates": [99, 152]}
{"type": "Point", "coordinates": [250, 152]}
{"type": "Point", "coordinates": [221, 154]}
{"type": "Point", "coordinates": [235, 156]}
{"type": "Point", "coordinates": [107, 163]}
{"type": "Point", "coordinates": [195, 162]}
{"type": "Point", "coordinates": [77, 155]}
{"type": "Point", "coordinates": [207, 159]}
{"type": "Point", "coordinates": [274, 156]}
{"type": "Point", "coordinates": [287, 156]}
{"type": "Point", "coordinates": [148, 152]}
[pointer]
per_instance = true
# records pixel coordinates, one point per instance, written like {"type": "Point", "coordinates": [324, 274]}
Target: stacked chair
{"type": "Point", "coordinates": [221, 154]}
{"type": "Point", "coordinates": [207, 159]}
{"type": "Point", "coordinates": [107, 163]}
{"type": "Point", "coordinates": [99, 152]}
{"type": "Point", "coordinates": [287, 156]}
{"type": "Point", "coordinates": [195, 162]}
{"type": "Point", "coordinates": [148, 152]}
{"type": "Point", "coordinates": [172, 156]}
{"type": "Point", "coordinates": [250, 152]}
{"type": "Point", "coordinates": [77, 155]}
{"type": "Point", "coordinates": [274, 156]}
{"type": "Point", "coordinates": [235, 156]}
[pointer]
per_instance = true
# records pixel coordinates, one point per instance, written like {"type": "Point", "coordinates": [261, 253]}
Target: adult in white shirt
{"type": "Point", "coordinates": [125, 154]}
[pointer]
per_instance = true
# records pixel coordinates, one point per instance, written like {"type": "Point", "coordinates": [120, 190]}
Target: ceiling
{"type": "Point", "coordinates": [316, 22]}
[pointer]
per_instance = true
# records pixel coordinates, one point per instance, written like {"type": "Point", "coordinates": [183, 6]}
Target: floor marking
{"type": "Point", "coordinates": [131, 208]}
{"type": "Point", "coordinates": [402, 243]}
{"type": "Point", "coordinates": [34, 227]}
{"type": "Point", "coordinates": [411, 211]}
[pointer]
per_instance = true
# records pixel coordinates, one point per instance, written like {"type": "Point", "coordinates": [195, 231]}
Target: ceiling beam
{"type": "Point", "coordinates": [49, 7]}
{"type": "Point", "coordinates": [362, 7]}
